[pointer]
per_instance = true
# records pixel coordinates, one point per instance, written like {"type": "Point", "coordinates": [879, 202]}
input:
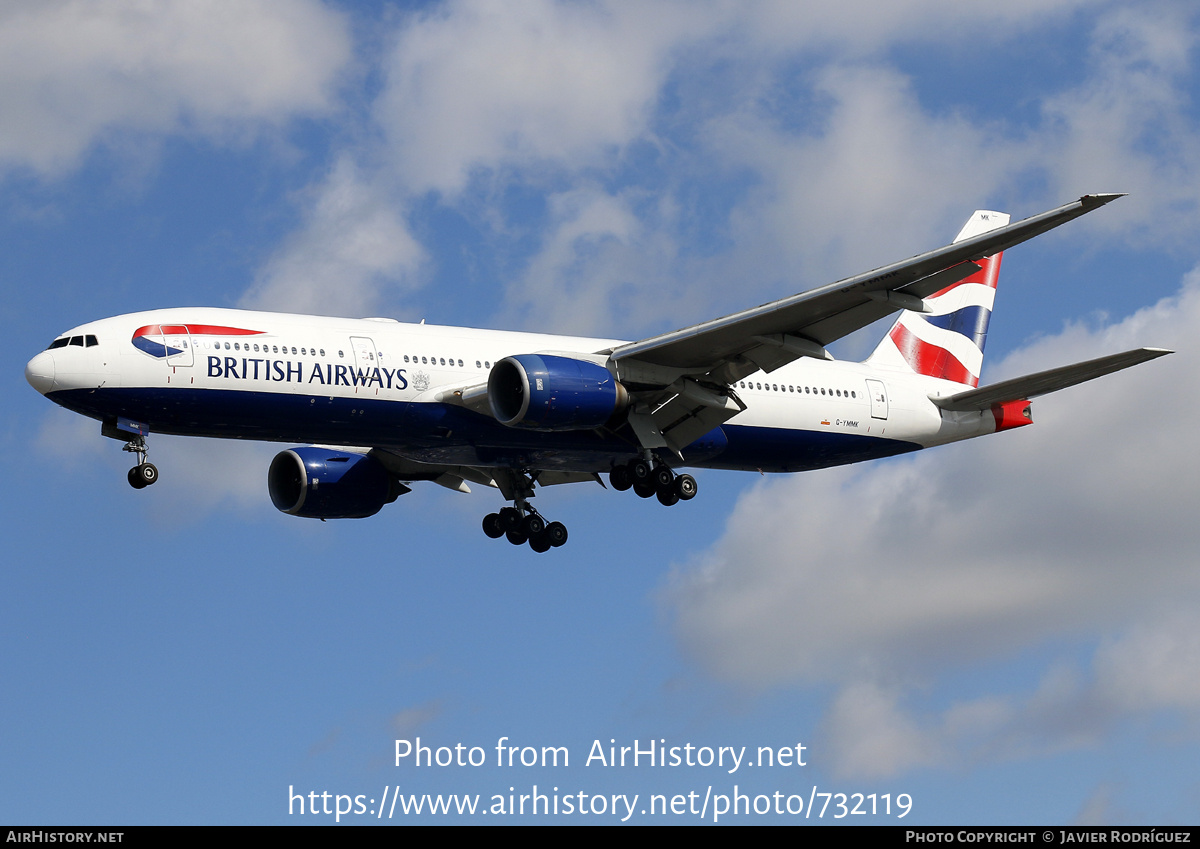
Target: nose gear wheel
{"type": "Point", "coordinates": [144, 473]}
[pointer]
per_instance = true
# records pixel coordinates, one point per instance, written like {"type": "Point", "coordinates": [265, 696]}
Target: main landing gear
{"type": "Point", "coordinates": [648, 476]}
{"type": "Point", "coordinates": [521, 524]}
{"type": "Point", "coordinates": [143, 474]}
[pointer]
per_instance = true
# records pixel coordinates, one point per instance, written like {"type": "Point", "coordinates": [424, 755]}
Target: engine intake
{"type": "Point", "coordinates": [547, 392]}
{"type": "Point", "coordinates": [318, 483]}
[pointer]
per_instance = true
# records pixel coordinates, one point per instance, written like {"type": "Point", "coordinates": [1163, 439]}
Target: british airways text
{"type": "Point", "coordinates": [287, 371]}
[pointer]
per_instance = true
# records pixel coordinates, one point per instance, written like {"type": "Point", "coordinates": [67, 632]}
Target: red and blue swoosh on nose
{"type": "Point", "coordinates": [151, 339]}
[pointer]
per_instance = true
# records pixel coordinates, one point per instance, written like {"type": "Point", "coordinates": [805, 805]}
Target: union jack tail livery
{"type": "Point", "coordinates": [947, 341]}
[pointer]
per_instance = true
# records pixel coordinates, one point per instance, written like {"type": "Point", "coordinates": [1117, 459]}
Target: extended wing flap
{"type": "Point", "coordinates": [1032, 385]}
{"type": "Point", "coordinates": [831, 312]}
{"type": "Point", "coordinates": [687, 413]}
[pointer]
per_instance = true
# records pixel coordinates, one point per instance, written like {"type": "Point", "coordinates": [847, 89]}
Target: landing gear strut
{"type": "Point", "coordinates": [650, 477]}
{"type": "Point", "coordinates": [143, 474]}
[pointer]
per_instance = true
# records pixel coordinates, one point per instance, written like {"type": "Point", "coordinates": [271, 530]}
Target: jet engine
{"type": "Point", "coordinates": [547, 392]}
{"type": "Point", "coordinates": [320, 483]}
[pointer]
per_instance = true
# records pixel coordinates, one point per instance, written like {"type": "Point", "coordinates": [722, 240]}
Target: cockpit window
{"type": "Point", "coordinates": [90, 341]}
{"type": "Point", "coordinates": [58, 343]}
{"type": "Point", "coordinates": [77, 340]}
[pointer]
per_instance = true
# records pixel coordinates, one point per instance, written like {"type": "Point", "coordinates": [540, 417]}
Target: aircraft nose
{"type": "Point", "coordinates": [40, 372]}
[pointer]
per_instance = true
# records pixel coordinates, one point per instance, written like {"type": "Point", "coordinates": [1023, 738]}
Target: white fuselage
{"type": "Point", "coordinates": [295, 378]}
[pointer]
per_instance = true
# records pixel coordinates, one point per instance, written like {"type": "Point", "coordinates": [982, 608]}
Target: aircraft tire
{"type": "Point", "coordinates": [516, 537]}
{"type": "Point", "coordinates": [686, 487]}
{"type": "Point", "coordinates": [510, 519]}
{"type": "Point", "coordinates": [540, 543]}
{"type": "Point", "coordinates": [667, 497]}
{"type": "Point", "coordinates": [556, 533]}
{"type": "Point", "coordinates": [148, 472]}
{"type": "Point", "coordinates": [664, 479]}
{"type": "Point", "coordinates": [533, 525]}
{"type": "Point", "coordinates": [135, 478]}
{"type": "Point", "coordinates": [640, 471]}
{"type": "Point", "coordinates": [644, 490]}
{"type": "Point", "coordinates": [491, 526]}
{"type": "Point", "coordinates": [619, 478]}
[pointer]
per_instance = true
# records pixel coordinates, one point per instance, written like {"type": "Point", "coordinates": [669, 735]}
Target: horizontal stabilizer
{"type": "Point", "coordinates": [1032, 385]}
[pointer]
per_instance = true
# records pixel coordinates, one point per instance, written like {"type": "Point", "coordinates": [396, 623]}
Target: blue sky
{"type": "Point", "coordinates": [1002, 629]}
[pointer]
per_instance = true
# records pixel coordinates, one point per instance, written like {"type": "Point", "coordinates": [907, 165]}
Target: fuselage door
{"type": "Point", "coordinates": [879, 400]}
{"type": "Point", "coordinates": [366, 359]}
{"type": "Point", "coordinates": [178, 342]}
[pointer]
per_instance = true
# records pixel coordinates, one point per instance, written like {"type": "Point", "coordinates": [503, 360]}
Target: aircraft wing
{"type": "Point", "coordinates": [1032, 385]}
{"type": "Point", "coordinates": [681, 383]}
{"type": "Point", "coordinates": [766, 337]}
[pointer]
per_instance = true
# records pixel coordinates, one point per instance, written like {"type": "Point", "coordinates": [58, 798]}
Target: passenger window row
{"type": "Point", "coordinates": [264, 349]}
{"type": "Point", "coordinates": [433, 361]}
{"type": "Point", "coordinates": [305, 351]}
{"type": "Point", "coordinates": [802, 390]}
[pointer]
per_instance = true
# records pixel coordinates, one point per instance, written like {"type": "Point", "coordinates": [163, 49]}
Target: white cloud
{"type": "Point", "coordinates": [73, 72]}
{"type": "Point", "coordinates": [1156, 665]}
{"type": "Point", "coordinates": [1129, 126]}
{"type": "Point", "coordinates": [871, 25]}
{"type": "Point", "coordinates": [477, 85]}
{"type": "Point", "coordinates": [853, 166]}
{"type": "Point", "coordinates": [876, 177]}
{"type": "Point", "coordinates": [354, 245]}
{"type": "Point", "coordinates": [555, 98]}
{"type": "Point", "coordinates": [599, 267]}
{"type": "Point", "coordinates": [867, 736]}
{"type": "Point", "coordinates": [69, 438]}
{"type": "Point", "coordinates": [1152, 667]}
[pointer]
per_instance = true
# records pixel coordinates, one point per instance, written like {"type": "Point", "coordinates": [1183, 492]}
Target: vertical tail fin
{"type": "Point", "coordinates": [948, 342]}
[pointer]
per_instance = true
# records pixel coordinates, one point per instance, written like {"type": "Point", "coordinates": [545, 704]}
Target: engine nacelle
{"type": "Point", "coordinates": [547, 392]}
{"type": "Point", "coordinates": [319, 483]}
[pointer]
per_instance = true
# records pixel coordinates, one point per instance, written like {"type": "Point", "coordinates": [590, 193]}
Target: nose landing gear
{"type": "Point", "coordinates": [144, 473]}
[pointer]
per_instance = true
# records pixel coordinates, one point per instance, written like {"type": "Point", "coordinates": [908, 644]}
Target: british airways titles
{"type": "Point", "coordinates": [288, 371]}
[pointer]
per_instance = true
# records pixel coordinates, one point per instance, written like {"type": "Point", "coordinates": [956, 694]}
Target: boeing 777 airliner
{"type": "Point", "coordinates": [380, 404]}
